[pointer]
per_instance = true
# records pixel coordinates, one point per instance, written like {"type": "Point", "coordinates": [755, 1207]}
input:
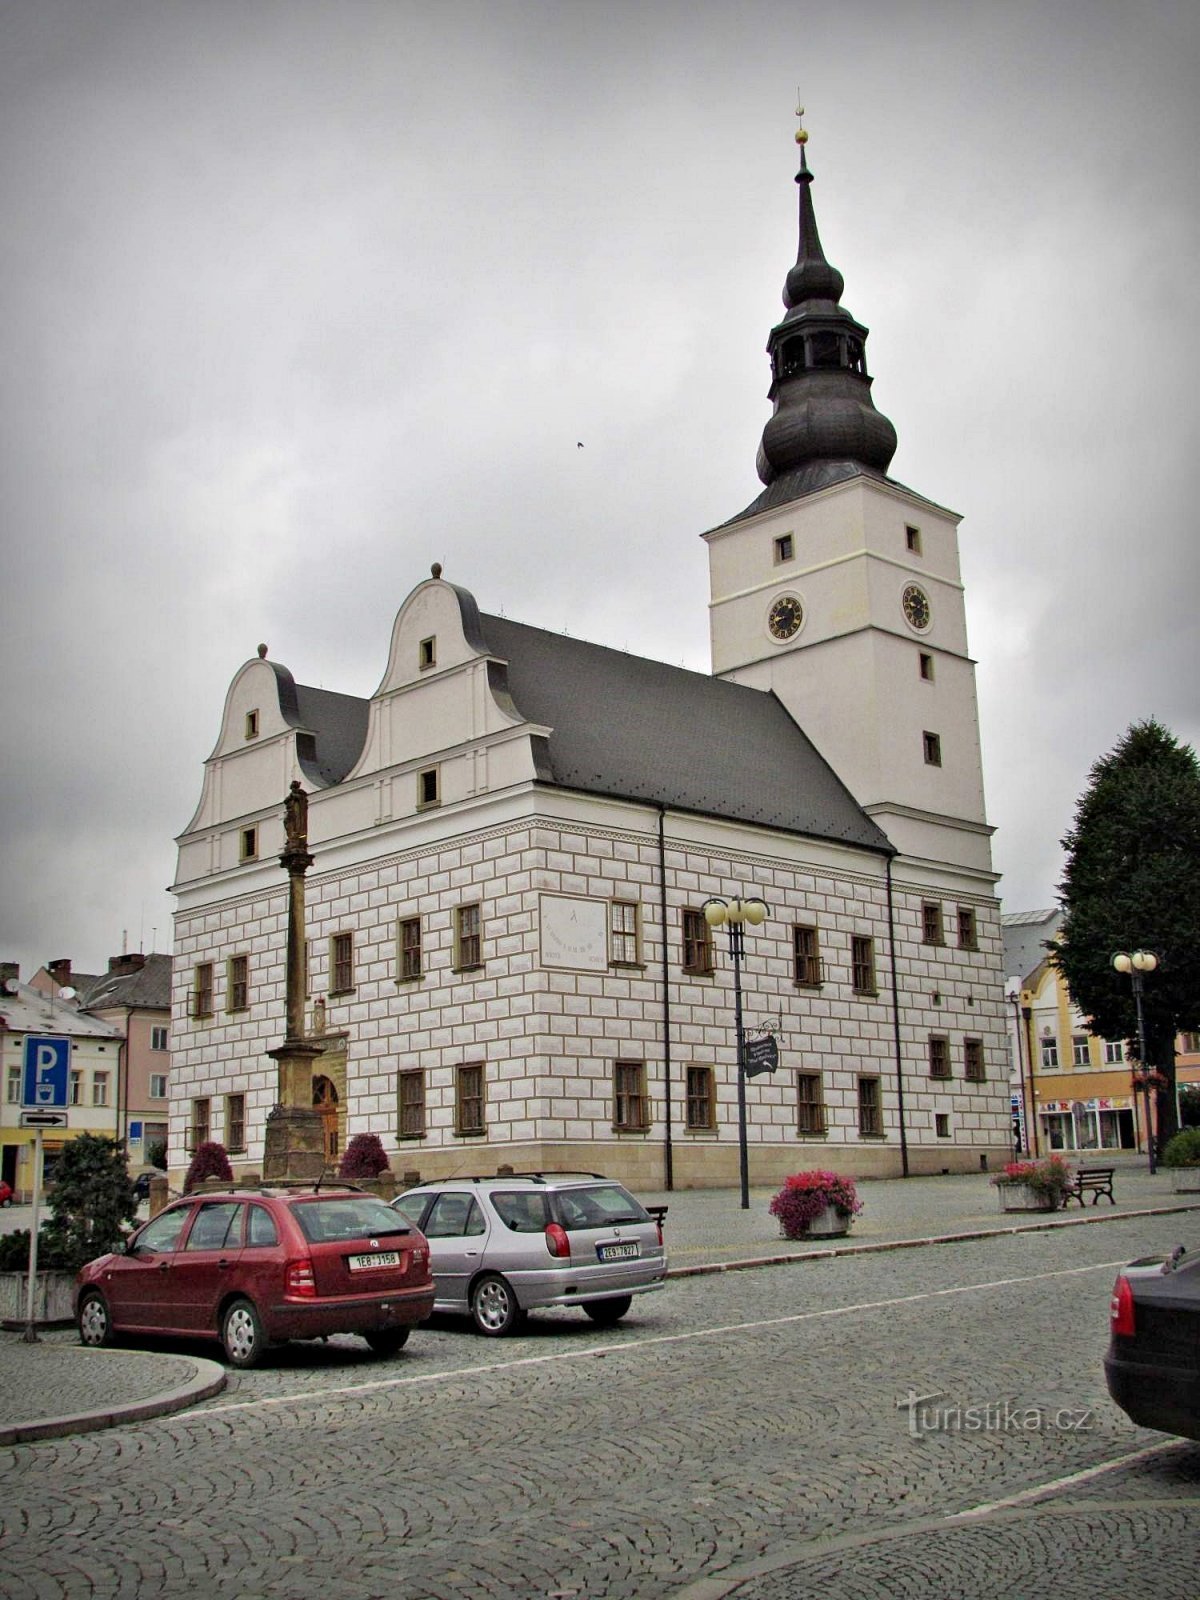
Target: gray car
{"type": "Point", "coordinates": [501, 1246]}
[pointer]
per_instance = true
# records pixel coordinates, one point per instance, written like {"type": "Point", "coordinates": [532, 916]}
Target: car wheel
{"type": "Point", "coordinates": [242, 1335]}
{"type": "Point", "coordinates": [95, 1323]}
{"type": "Point", "coordinates": [494, 1307]}
{"type": "Point", "coordinates": [388, 1342]}
{"type": "Point", "coordinates": [608, 1312]}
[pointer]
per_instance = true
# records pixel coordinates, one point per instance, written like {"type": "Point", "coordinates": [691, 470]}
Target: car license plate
{"type": "Point", "coordinates": [380, 1258]}
{"type": "Point", "coordinates": [619, 1252]}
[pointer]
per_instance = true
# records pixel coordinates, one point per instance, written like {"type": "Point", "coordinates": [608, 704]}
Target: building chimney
{"type": "Point", "coordinates": [121, 966]}
{"type": "Point", "coordinates": [60, 971]}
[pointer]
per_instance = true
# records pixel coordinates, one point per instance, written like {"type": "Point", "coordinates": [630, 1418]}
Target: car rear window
{"type": "Point", "coordinates": [523, 1211]}
{"type": "Point", "coordinates": [323, 1221]}
{"type": "Point", "coordinates": [598, 1205]}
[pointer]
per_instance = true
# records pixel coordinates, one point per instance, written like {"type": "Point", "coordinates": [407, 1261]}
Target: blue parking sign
{"type": "Point", "coordinates": [46, 1064]}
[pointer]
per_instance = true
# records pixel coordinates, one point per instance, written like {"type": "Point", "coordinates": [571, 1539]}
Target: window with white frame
{"type": "Point", "coordinates": [1114, 1052]}
{"type": "Point", "coordinates": [100, 1088]}
{"type": "Point", "coordinates": [158, 1037]}
{"type": "Point", "coordinates": [1079, 1050]}
{"type": "Point", "coordinates": [12, 1086]}
{"type": "Point", "coordinates": [1049, 1054]}
{"type": "Point", "coordinates": [158, 1086]}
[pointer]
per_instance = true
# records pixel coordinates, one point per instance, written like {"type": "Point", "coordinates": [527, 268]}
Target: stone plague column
{"type": "Point", "coordinates": [294, 1149]}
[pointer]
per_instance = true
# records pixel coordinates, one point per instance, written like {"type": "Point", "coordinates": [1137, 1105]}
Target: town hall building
{"type": "Point", "coordinates": [513, 843]}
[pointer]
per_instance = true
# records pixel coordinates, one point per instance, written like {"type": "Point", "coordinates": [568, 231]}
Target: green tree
{"type": "Point", "coordinates": [92, 1204]}
{"type": "Point", "coordinates": [1132, 882]}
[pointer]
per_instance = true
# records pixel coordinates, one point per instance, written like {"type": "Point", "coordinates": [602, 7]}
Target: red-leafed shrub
{"type": "Point", "coordinates": [806, 1194]}
{"type": "Point", "coordinates": [209, 1161]}
{"type": "Point", "coordinates": [364, 1158]}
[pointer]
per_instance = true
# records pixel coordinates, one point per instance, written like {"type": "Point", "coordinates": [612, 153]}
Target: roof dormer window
{"type": "Point", "coordinates": [252, 724]}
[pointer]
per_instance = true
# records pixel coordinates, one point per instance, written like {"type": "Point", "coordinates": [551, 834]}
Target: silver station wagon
{"type": "Point", "coordinates": [502, 1246]}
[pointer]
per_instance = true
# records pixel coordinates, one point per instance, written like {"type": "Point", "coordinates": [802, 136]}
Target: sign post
{"type": "Point", "coordinates": [46, 1071]}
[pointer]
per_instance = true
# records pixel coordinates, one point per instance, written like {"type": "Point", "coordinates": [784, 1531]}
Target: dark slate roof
{"type": "Point", "coordinates": [338, 724]}
{"type": "Point", "coordinates": [635, 729]}
{"type": "Point", "coordinates": [149, 988]}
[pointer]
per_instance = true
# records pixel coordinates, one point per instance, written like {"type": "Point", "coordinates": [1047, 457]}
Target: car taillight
{"type": "Point", "coordinates": [298, 1278]}
{"type": "Point", "coordinates": [1121, 1309]}
{"type": "Point", "coordinates": [658, 1222]}
{"type": "Point", "coordinates": [557, 1242]}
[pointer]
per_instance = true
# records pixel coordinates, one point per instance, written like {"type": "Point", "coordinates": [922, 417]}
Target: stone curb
{"type": "Point", "coordinates": [206, 1380]}
{"type": "Point", "coordinates": [703, 1269]}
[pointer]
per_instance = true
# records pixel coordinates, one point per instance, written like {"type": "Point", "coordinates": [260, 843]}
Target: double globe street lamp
{"type": "Point", "coordinates": [1135, 964]}
{"type": "Point", "coordinates": [735, 913]}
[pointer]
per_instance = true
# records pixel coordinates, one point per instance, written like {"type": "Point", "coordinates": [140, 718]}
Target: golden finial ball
{"type": "Point", "coordinates": [801, 135]}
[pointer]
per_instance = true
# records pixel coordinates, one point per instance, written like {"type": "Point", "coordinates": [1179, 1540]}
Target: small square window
{"type": "Point", "coordinates": [912, 539]}
{"type": "Point", "coordinates": [941, 1124]}
{"type": "Point", "coordinates": [252, 724]}
{"type": "Point", "coordinates": [248, 844]}
{"type": "Point", "coordinates": [427, 653]}
{"type": "Point", "coordinates": [785, 548]}
{"type": "Point", "coordinates": [428, 789]}
{"type": "Point", "coordinates": [926, 666]}
{"type": "Point", "coordinates": [933, 748]}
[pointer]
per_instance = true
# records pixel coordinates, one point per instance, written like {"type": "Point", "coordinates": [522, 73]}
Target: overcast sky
{"type": "Point", "coordinates": [298, 298]}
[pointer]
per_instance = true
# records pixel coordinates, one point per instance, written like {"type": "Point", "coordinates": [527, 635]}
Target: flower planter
{"type": "Point", "coordinates": [1185, 1180]}
{"type": "Point", "coordinates": [1023, 1197]}
{"type": "Point", "coordinates": [53, 1298]}
{"type": "Point", "coordinates": [830, 1224]}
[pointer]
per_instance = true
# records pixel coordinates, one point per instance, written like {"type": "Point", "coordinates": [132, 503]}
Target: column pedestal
{"type": "Point", "coordinates": [294, 1145]}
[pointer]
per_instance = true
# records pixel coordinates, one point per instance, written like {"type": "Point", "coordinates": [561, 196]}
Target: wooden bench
{"type": "Point", "coordinates": [1094, 1181]}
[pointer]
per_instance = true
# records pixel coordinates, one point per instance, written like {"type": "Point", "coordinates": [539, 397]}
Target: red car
{"type": "Point", "coordinates": [5, 1193]}
{"type": "Point", "coordinates": [257, 1267]}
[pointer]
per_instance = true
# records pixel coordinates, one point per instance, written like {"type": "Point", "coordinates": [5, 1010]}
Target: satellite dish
{"type": "Point", "coordinates": [68, 993]}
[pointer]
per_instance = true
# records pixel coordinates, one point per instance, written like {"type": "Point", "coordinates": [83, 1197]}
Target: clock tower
{"type": "Point", "coordinates": [839, 590]}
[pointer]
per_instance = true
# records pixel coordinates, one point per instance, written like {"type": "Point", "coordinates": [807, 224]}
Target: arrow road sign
{"type": "Point", "coordinates": [43, 1119]}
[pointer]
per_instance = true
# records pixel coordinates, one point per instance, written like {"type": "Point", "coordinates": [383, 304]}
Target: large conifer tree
{"type": "Point", "coordinates": [1132, 882]}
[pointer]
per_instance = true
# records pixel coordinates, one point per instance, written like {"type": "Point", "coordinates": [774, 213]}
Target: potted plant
{"type": "Point", "coordinates": [1033, 1185]}
{"type": "Point", "coordinates": [815, 1205]}
{"type": "Point", "coordinates": [1182, 1155]}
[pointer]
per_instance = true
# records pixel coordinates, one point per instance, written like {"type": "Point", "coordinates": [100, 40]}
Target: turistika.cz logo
{"type": "Point", "coordinates": [993, 1416]}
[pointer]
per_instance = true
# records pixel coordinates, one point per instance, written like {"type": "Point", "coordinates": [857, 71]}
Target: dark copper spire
{"type": "Point", "coordinates": [824, 425]}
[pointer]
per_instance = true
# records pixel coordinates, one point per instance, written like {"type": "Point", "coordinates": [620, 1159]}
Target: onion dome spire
{"type": "Point", "coordinates": [824, 426]}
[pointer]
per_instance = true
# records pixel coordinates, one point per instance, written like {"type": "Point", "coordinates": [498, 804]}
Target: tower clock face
{"type": "Point", "coordinates": [916, 608]}
{"type": "Point", "coordinates": [785, 617]}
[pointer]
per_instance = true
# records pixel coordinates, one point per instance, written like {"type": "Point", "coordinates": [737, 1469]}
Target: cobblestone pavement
{"type": "Point", "coordinates": [739, 1435]}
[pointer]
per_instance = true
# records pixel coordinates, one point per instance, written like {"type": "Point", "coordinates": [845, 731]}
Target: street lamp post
{"type": "Point", "coordinates": [1136, 963]}
{"type": "Point", "coordinates": [735, 913]}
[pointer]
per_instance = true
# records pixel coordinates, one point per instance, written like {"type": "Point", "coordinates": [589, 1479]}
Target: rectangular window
{"type": "Point", "coordinates": [968, 937]}
{"type": "Point", "coordinates": [1189, 1045]}
{"type": "Point", "coordinates": [973, 1060]}
{"type": "Point", "coordinates": [932, 930]}
{"type": "Point", "coordinates": [252, 724]}
{"type": "Point", "coordinates": [629, 1097]}
{"type": "Point", "coordinates": [428, 788]}
{"type": "Point", "coordinates": [202, 990]}
{"type": "Point", "coordinates": [785, 548]}
{"type": "Point", "coordinates": [468, 1100]}
{"type": "Point", "coordinates": [624, 933]}
{"type": "Point", "coordinates": [1079, 1050]}
{"type": "Point", "coordinates": [939, 1056]}
{"type": "Point", "coordinates": [933, 748]}
{"type": "Point", "coordinates": [427, 653]}
{"type": "Point", "coordinates": [100, 1089]}
{"type": "Point", "coordinates": [409, 948]}
{"type": "Point", "coordinates": [941, 1124]}
{"type": "Point", "coordinates": [468, 937]}
{"type": "Point", "coordinates": [248, 844]}
{"type": "Point", "coordinates": [410, 1105]}
{"type": "Point", "coordinates": [198, 1131]}
{"type": "Point", "coordinates": [76, 1087]}
{"type": "Point", "coordinates": [341, 963]}
{"type": "Point", "coordinates": [870, 1108]}
{"type": "Point", "coordinates": [806, 956]}
{"type": "Point", "coordinates": [926, 666]}
{"type": "Point", "coordinates": [237, 983]}
{"type": "Point", "coordinates": [912, 539]}
{"type": "Point", "coordinates": [697, 943]}
{"type": "Point", "coordinates": [235, 1122]}
{"type": "Point", "coordinates": [810, 1103]}
{"type": "Point", "coordinates": [12, 1086]}
{"type": "Point", "coordinates": [1049, 1053]}
{"type": "Point", "coordinates": [158, 1086]}
{"type": "Point", "coordinates": [862, 965]}
{"type": "Point", "coordinates": [701, 1103]}
{"type": "Point", "coordinates": [1114, 1051]}
{"type": "Point", "coordinates": [158, 1038]}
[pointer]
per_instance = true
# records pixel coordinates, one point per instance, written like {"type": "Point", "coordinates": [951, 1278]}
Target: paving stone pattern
{"type": "Point", "coordinates": [766, 1458]}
